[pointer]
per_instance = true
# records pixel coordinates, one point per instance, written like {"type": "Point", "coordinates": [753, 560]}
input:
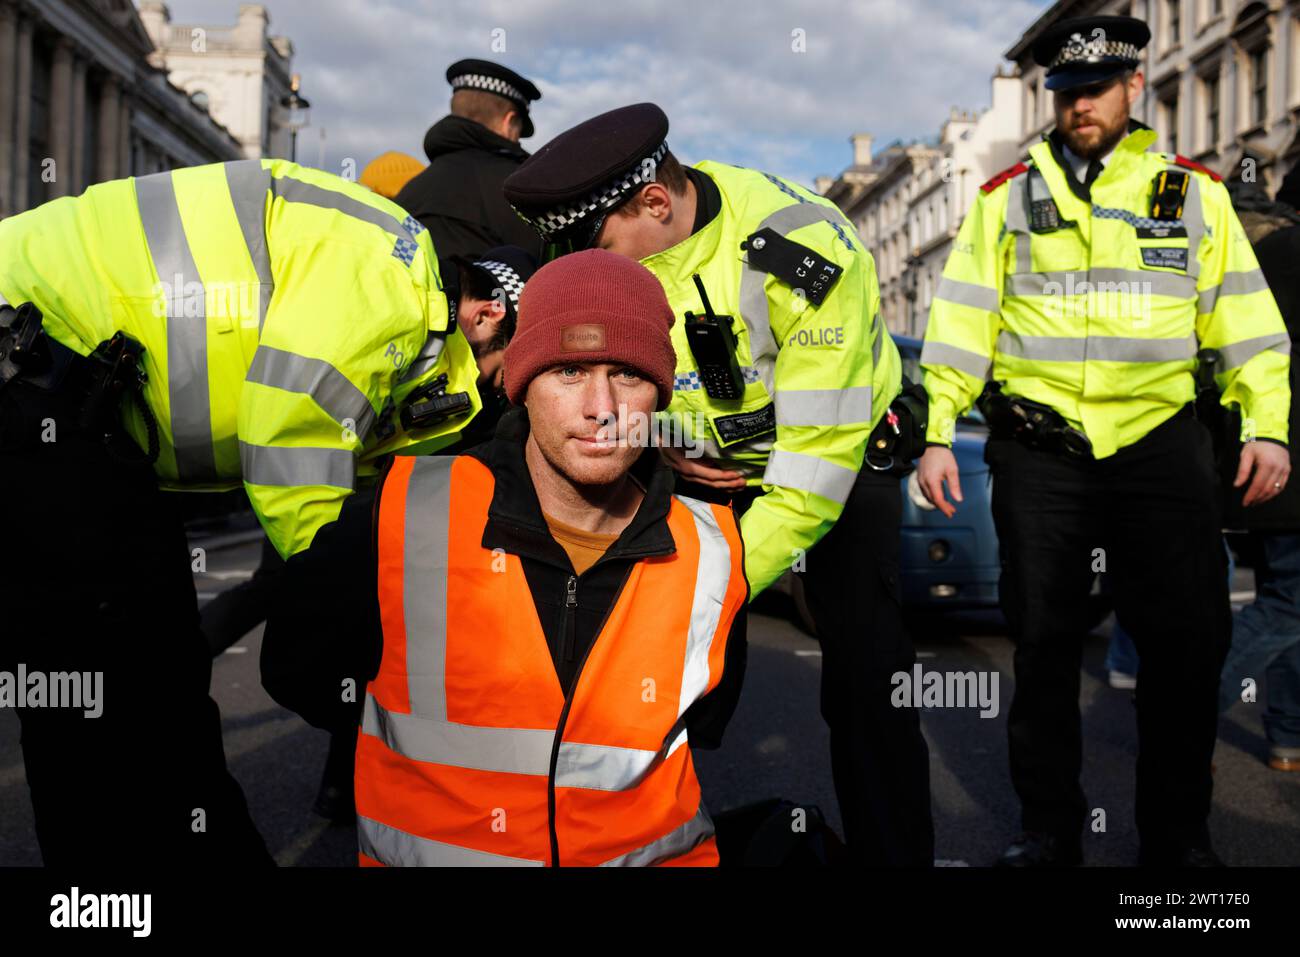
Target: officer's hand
{"type": "Point", "coordinates": [1272, 466]}
{"type": "Point", "coordinates": [937, 466]}
{"type": "Point", "coordinates": [702, 470]}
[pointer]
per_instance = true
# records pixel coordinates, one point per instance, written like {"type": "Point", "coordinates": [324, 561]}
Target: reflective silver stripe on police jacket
{"type": "Point", "coordinates": [963, 360]}
{"type": "Point", "coordinates": [807, 473]}
{"type": "Point", "coordinates": [673, 844]}
{"type": "Point", "coordinates": [187, 327]}
{"type": "Point", "coordinates": [823, 406]}
{"type": "Point", "coordinates": [249, 190]}
{"type": "Point", "coordinates": [287, 465]}
{"type": "Point", "coordinates": [1193, 224]}
{"type": "Point", "coordinates": [1095, 348]}
{"type": "Point", "coordinates": [397, 848]}
{"type": "Point", "coordinates": [1101, 281]}
{"type": "Point", "coordinates": [297, 191]}
{"type": "Point", "coordinates": [1239, 353]}
{"type": "Point", "coordinates": [1016, 223]}
{"type": "Point", "coordinates": [328, 387]}
{"type": "Point", "coordinates": [968, 294]}
{"type": "Point", "coordinates": [1232, 284]}
{"type": "Point", "coordinates": [427, 357]}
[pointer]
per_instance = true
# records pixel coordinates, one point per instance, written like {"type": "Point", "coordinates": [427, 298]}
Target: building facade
{"type": "Point", "coordinates": [84, 98]}
{"type": "Point", "coordinates": [908, 202]}
{"type": "Point", "coordinates": [1222, 80]}
{"type": "Point", "coordinates": [239, 74]}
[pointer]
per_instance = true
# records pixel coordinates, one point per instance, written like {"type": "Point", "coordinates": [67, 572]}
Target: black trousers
{"type": "Point", "coordinates": [237, 611]}
{"type": "Point", "coordinates": [1149, 517]}
{"type": "Point", "coordinates": [97, 578]}
{"type": "Point", "coordinates": [879, 759]}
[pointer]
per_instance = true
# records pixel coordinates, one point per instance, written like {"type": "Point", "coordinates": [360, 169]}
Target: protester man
{"type": "Point", "coordinates": [253, 322]}
{"type": "Point", "coordinates": [558, 628]}
{"type": "Point", "coordinates": [1083, 283]}
{"type": "Point", "coordinates": [471, 152]}
{"type": "Point", "coordinates": [784, 369]}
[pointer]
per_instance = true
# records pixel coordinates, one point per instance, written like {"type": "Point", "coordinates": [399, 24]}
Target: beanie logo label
{"type": "Point", "coordinates": [585, 337]}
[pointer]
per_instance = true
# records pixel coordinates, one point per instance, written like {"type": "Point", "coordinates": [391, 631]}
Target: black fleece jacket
{"type": "Point", "coordinates": [325, 627]}
{"type": "Point", "coordinates": [459, 197]}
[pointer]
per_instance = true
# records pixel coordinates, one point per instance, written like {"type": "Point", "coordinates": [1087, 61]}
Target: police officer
{"type": "Point", "coordinates": [784, 368]}
{"type": "Point", "coordinates": [253, 322]}
{"type": "Point", "coordinates": [471, 152]}
{"type": "Point", "coordinates": [1083, 283]}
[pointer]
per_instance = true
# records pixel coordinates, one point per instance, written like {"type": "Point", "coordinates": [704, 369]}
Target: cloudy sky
{"type": "Point", "coordinates": [777, 84]}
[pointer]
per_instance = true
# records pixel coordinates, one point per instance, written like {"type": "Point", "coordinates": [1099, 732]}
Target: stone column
{"type": "Point", "coordinates": [124, 137]}
{"type": "Point", "coordinates": [61, 118]}
{"type": "Point", "coordinates": [22, 112]}
{"type": "Point", "coordinates": [8, 42]}
{"type": "Point", "coordinates": [78, 182]}
{"type": "Point", "coordinates": [108, 116]}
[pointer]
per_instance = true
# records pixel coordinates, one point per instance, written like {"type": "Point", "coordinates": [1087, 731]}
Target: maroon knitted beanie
{"type": "Point", "coordinates": [592, 306]}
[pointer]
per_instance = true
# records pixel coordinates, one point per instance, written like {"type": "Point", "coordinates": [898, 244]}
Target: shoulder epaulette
{"type": "Point", "coordinates": [1186, 163]}
{"type": "Point", "coordinates": [1006, 174]}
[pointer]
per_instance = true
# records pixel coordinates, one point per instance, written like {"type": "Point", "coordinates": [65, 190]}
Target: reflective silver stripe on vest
{"type": "Point", "coordinates": [287, 465]}
{"type": "Point", "coordinates": [397, 848]}
{"type": "Point", "coordinates": [711, 577]}
{"type": "Point", "coordinates": [1095, 348]}
{"type": "Point", "coordinates": [187, 335]}
{"type": "Point", "coordinates": [249, 187]}
{"type": "Point", "coordinates": [808, 473]}
{"type": "Point", "coordinates": [1101, 281]}
{"type": "Point", "coordinates": [427, 357]}
{"type": "Point", "coordinates": [823, 406]}
{"type": "Point", "coordinates": [297, 191]}
{"type": "Point", "coordinates": [328, 387]}
{"type": "Point", "coordinates": [1016, 223]}
{"type": "Point", "coordinates": [963, 360]}
{"type": "Point", "coordinates": [505, 750]}
{"type": "Point", "coordinates": [1239, 353]}
{"type": "Point", "coordinates": [675, 843]}
{"type": "Point", "coordinates": [878, 345]}
{"type": "Point", "coordinates": [968, 294]}
{"type": "Point", "coordinates": [1232, 284]}
{"type": "Point", "coordinates": [424, 562]}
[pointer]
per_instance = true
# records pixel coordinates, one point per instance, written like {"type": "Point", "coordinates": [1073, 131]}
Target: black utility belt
{"type": "Point", "coordinates": [899, 436]}
{"type": "Point", "coordinates": [1033, 424]}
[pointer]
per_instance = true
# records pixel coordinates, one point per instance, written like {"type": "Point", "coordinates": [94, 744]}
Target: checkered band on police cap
{"type": "Point", "coordinates": [562, 218]}
{"type": "Point", "coordinates": [506, 278]}
{"type": "Point", "coordinates": [477, 81]}
{"type": "Point", "coordinates": [1079, 50]}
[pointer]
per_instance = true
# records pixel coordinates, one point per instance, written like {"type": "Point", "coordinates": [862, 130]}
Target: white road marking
{"type": "Point", "coordinates": [238, 574]}
{"type": "Point", "coordinates": [235, 650]}
{"type": "Point", "coordinates": [1242, 596]}
{"type": "Point", "coordinates": [806, 653]}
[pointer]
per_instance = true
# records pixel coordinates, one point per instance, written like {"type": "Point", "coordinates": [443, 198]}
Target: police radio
{"type": "Point", "coordinates": [713, 346]}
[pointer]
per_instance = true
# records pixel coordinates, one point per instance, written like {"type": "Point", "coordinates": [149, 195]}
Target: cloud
{"type": "Point", "coordinates": [777, 85]}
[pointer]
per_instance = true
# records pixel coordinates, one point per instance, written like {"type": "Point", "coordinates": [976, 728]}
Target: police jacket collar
{"type": "Point", "coordinates": [515, 521]}
{"type": "Point", "coordinates": [454, 133]}
{"type": "Point", "coordinates": [706, 232]}
{"type": "Point", "coordinates": [1139, 139]}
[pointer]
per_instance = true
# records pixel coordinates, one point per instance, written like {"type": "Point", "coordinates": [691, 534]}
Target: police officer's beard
{"type": "Point", "coordinates": [1110, 137]}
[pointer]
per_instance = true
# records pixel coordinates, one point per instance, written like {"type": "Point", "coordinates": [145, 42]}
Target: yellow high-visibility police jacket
{"type": "Point", "coordinates": [1102, 318]}
{"type": "Point", "coordinates": [817, 377]}
{"type": "Point", "coordinates": [283, 311]}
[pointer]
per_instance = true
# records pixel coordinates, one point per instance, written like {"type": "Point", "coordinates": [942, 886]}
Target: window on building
{"type": "Point", "coordinates": [1210, 91]}
{"type": "Point", "coordinates": [1173, 22]}
{"type": "Point", "coordinates": [1258, 86]}
{"type": "Point", "coordinates": [200, 99]}
{"type": "Point", "coordinates": [1169, 121]}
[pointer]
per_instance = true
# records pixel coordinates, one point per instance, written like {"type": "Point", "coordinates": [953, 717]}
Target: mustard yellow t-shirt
{"type": "Point", "coordinates": [584, 548]}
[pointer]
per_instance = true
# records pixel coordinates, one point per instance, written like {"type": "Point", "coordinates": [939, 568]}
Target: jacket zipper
{"type": "Point", "coordinates": [571, 601]}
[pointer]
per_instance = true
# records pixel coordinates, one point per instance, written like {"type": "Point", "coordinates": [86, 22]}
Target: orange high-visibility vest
{"type": "Point", "coordinates": [470, 753]}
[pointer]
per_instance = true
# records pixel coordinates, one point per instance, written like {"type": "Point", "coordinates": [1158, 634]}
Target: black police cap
{"type": "Point", "coordinates": [567, 187]}
{"type": "Point", "coordinates": [508, 268]}
{"type": "Point", "coordinates": [1083, 50]}
{"type": "Point", "coordinates": [495, 78]}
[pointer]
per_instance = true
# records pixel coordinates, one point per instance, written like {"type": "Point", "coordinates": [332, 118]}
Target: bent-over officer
{"type": "Point", "coordinates": [784, 368]}
{"type": "Point", "coordinates": [1084, 283]}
